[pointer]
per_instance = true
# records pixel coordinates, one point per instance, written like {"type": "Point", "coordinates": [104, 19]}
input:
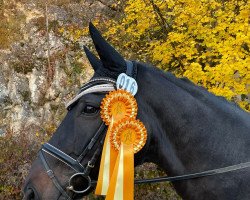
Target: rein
{"type": "Point", "coordinates": [82, 172]}
{"type": "Point", "coordinates": [191, 176]}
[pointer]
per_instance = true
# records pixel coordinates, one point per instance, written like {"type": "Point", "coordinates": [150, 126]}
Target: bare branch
{"type": "Point", "coordinates": [109, 6]}
{"type": "Point", "coordinates": [162, 22]}
{"type": "Point", "coordinates": [50, 71]}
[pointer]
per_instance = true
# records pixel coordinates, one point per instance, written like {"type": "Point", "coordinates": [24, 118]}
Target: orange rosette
{"type": "Point", "coordinates": [125, 137]}
{"type": "Point", "coordinates": [117, 105]}
{"type": "Point", "coordinates": [128, 136]}
{"type": "Point", "coordinates": [129, 132]}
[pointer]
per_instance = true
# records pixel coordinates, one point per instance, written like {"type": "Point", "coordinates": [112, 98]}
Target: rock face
{"type": "Point", "coordinates": [41, 70]}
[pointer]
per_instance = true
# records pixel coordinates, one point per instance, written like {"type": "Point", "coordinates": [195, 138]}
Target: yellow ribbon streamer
{"type": "Point", "coordinates": [128, 137]}
{"type": "Point", "coordinates": [115, 106]}
{"type": "Point", "coordinates": [107, 165]}
{"type": "Point", "coordinates": [123, 176]}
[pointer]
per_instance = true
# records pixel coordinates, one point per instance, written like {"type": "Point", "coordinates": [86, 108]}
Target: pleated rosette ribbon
{"type": "Point", "coordinates": [125, 136]}
{"type": "Point", "coordinates": [114, 107]}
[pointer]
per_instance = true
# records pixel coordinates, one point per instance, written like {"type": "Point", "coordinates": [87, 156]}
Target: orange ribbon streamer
{"type": "Point", "coordinates": [123, 176]}
{"type": "Point", "coordinates": [125, 135]}
{"type": "Point", "coordinates": [116, 105]}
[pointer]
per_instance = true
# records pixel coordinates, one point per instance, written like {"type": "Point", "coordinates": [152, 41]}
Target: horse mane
{"type": "Point", "coordinates": [193, 89]}
{"type": "Point", "coordinates": [189, 86]}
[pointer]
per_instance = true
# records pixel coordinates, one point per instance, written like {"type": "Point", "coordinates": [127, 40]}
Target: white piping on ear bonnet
{"type": "Point", "coordinates": [96, 88]}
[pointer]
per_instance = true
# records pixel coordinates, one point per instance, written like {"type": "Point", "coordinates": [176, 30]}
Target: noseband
{"type": "Point", "coordinates": [82, 172]}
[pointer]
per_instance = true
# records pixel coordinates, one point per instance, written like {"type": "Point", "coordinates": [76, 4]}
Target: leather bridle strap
{"type": "Point", "coordinates": [193, 175]}
{"type": "Point", "coordinates": [71, 162]}
{"type": "Point", "coordinates": [92, 161]}
{"type": "Point", "coordinates": [94, 85]}
{"type": "Point", "coordinates": [196, 175]}
{"type": "Point", "coordinates": [101, 130]}
{"type": "Point", "coordinates": [131, 69]}
{"type": "Point", "coordinates": [63, 157]}
{"type": "Point", "coordinates": [52, 176]}
{"type": "Point", "coordinates": [107, 87]}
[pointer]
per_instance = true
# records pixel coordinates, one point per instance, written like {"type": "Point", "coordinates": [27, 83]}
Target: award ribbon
{"type": "Point", "coordinates": [114, 107]}
{"type": "Point", "coordinates": [128, 137]}
{"type": "Point", "coordinates": [125, 136]}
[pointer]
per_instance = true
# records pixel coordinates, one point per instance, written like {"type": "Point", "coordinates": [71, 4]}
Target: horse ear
{"type": "Point", "coordinates": [110, 58]}
{"type": "Point", "coordinates": [94, 61]}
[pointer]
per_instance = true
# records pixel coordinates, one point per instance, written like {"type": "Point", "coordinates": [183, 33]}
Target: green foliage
{"type": "Point", "coordinates": [77, 66]}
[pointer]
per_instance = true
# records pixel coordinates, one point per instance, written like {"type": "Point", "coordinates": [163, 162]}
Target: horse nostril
{"type": "Point", "coordinates": [29, 194]}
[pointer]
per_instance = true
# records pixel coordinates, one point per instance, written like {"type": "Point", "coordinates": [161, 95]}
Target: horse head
{"type": "Point", "coordinates": [81, 128]}
{"type": "Point", "coordinates": [188, 130]}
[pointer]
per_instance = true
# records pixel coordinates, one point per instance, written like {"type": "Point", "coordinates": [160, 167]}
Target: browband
{"type": "Point", "coordinates": [92, 89]}
{"type": "Point", "coordinates": [102, 84]}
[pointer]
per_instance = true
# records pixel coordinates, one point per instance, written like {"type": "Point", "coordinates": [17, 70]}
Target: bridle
{"type": "Point", "coordinates": [82, 172]}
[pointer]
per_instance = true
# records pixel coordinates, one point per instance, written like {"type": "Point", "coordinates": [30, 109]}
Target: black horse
{"type": "Point", "coordinates": [189, 130]}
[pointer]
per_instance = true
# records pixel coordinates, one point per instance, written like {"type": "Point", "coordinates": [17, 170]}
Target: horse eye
{"type": "Point", "coordinates": [90, 109]}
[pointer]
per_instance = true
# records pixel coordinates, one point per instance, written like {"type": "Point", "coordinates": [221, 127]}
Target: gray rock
{"type": "Point", "coordinates": [37, 85]}
{"type": "Point", "coordinates": [32, 92]}
{"type": "Point", "coordinates": [2, 131]}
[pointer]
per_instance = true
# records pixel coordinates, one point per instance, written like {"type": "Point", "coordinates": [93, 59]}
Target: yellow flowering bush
{"type": "Point", "coordinates": [207, 41]}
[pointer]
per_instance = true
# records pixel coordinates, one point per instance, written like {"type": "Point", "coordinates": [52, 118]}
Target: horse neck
{"type": "Point", "coordinates": [192, 129]}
